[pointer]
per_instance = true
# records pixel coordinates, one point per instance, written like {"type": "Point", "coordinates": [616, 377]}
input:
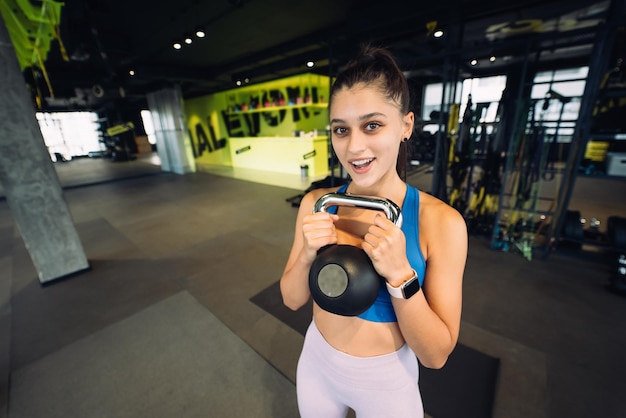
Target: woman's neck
{"type": "Point", "coordinates": [394, 190]}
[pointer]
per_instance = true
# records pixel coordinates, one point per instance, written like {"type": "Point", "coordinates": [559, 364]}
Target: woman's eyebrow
{"type": "Point", "coordinates": [361, 118]}
{"type": "Point", "coordinates": [372, 115]}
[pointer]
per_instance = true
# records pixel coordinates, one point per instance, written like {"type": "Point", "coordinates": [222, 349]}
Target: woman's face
{"type": "Point", "coordinates": [367, 129]}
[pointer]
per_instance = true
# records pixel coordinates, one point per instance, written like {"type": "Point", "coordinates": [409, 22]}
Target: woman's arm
{"type": "Point", "coordinates": [430, 319]}
{"type": "Point", "coordinates": [312, 232]}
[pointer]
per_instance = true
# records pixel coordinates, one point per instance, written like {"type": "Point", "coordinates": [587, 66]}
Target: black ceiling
{"type": "Point", "coordinates": [268, 39]}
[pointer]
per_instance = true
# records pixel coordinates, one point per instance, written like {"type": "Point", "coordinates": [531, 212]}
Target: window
{"type": "Point", "coordinates": [565, 86]}
{"type": "Point", "coordinates": [70, 134]}
{"type": "Point", "coordinates": [487, 90]}
{"type": "Point", "coordinates": [563, 90]}
{"type": "Point", "coordinates": [146, 117]}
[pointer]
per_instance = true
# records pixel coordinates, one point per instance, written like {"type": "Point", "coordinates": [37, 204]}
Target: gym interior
{"type": "Point", "coordinates": [140, 254]}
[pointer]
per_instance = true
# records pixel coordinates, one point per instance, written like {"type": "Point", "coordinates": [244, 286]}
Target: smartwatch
{"type": "Point", "coordinates": [406, 289]}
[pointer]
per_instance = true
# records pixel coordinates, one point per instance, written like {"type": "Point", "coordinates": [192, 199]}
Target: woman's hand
{"type": "Point", "coordinates": [312, 232]}
{"type": "Point", "coordinates": [318, 230]}
{"type": "Point", "coordinates": [385, 245]}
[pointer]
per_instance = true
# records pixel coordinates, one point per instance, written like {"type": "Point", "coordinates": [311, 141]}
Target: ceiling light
{"type": "Point", "coordinates": [177, 45]}
{"type": "Point", "coordinates": [438, 33]}
{"type": "Point", "coordinates": [238, 82]}
{"type": "Point", "coordinates": [200, 33]}
{"type": "Point", "coordinates": [492, 58]}
{"type": "Point", "coordinates": [188, 39]}
{"type": "Point", "coordinates": [131, 72]}
{"type": "Point", "coordinates": [474, 62]}
{"type": "Point", "coordinates": [310, 64]}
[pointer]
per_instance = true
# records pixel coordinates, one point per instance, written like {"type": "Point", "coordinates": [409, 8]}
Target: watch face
{"type": "Point", "coordinates": [411, 288]}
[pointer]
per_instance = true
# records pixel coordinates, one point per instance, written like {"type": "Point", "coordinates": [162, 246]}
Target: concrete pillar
{"type": "Point", "coordinates": [172, 139]}
{"type": "Point", "coordinates": [30, 182]}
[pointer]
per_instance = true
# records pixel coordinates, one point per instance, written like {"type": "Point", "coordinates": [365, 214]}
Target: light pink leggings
{"type": "Point", "coordinates": [329, 382]}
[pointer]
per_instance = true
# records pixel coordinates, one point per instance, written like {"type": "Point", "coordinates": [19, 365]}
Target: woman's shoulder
{"type": "Point", "coordinates": [434, 211]}
{"type": "Point", "coordinates": [443, 231]}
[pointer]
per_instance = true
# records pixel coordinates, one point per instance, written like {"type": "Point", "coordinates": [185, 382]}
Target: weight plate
{"type": "Point", "coordinates": [332, 280]}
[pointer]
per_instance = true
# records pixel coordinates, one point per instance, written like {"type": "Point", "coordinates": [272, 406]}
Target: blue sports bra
{"type": "Point", "coordinates": [382, 309]}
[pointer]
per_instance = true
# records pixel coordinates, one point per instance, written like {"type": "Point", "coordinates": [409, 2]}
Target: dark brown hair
{"type": "Point", "coordinates": [376, 67]}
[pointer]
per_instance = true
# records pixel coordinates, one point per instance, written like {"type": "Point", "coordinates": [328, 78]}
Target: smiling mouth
{"type": "Point", "coordinates": [360, 164]}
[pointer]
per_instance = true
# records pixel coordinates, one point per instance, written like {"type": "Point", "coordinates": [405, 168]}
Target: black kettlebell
{"type": "Point", "coordinates": [342, 279]}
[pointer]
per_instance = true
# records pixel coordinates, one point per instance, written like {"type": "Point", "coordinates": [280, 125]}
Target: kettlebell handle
{"type": "Point", "coordinates": [391, 210]}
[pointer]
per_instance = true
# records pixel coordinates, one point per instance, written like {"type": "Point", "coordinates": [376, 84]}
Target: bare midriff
{"type": "Point", "coordinates": [358, 337]}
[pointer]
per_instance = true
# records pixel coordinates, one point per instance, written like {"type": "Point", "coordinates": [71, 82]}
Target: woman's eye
{"type": "Point", "coordinates": [339, 130]}
{"type": "Point", "coordinates": [372, 126]}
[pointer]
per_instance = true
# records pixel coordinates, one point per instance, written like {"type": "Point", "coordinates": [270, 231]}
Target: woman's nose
{"type": "Point", "coordinates": [357, 142]}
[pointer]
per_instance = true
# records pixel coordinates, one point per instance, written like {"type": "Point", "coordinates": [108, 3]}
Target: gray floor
{"type": "Point", "coordinates": [162, 324]}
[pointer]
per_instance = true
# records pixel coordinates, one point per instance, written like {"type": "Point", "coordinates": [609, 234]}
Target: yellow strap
{"type": "Point", "coordinates": [37, 92]}
{"type": "Point", "coordinates": [57, 32]}
{"type": "Point", "coordinates": [44, 72]}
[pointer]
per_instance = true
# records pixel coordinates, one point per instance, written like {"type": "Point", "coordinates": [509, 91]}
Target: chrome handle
{"type": "Point", "coordinates": [391, 210]}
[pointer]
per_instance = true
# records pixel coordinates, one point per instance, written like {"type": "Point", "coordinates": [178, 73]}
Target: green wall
{"type": "Point", "coordinates": [297, 103]}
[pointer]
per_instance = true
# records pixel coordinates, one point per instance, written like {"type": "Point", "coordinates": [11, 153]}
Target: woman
{"type": "Point", "coordinates": [368, 362]}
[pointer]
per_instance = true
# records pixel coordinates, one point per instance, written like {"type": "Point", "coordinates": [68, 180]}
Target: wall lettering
{"type": "Point", "coordinates": [266, 107]}
{"type": "Point", "coordinates": [217, 143]}
{"type": "Point", "coordinates": [234, 127]}
{"type": "Point", "coordinates": [241, 123]}
{"type": "Point", "coordinates": [203, 142]}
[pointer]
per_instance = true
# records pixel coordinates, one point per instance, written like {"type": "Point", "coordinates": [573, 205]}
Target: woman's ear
{"type": "Point", "coordinates": [409, 121]}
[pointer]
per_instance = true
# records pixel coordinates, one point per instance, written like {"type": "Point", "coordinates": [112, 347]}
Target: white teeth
{"type": "Point", "coordinates": [361, 162]}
